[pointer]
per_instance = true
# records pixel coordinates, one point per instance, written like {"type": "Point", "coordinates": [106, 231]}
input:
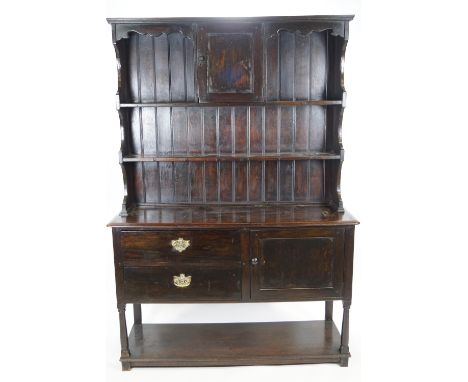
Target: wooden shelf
{"type": "Point", "coordinates": [216, 216]}
{"type": "Point", "coordinates": [234, 344]}
{"type": "Point", "coordinates": [243, 104]}
{"type": "Point", "coordinates": [231, 157]}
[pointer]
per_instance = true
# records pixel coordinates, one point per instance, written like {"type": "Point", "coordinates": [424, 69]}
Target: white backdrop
{"type": "Point", "coordinates": [404, 178]}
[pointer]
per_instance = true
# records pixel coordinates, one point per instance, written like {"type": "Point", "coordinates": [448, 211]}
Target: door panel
{"type": "Point", "coordinates": [229, 63]}
{"type": "Point", "coordinates": [297, 264]}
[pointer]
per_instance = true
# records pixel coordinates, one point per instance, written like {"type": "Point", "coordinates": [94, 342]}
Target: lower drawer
{"type": "Point", "coordinates": [182, 283]}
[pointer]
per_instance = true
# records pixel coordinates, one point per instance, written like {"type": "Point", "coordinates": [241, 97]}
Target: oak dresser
{"type": "Point", "coordinates": [231, 156]}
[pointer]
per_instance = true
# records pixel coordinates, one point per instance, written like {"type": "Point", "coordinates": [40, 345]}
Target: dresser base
{"type": "Point", "coordinates": [234, 344]}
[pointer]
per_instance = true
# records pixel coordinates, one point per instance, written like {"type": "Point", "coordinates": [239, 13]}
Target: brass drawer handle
{"type": "Point", "coordinates": [182, 281]}
{"type": "Point", "coordinates": [180, 245]}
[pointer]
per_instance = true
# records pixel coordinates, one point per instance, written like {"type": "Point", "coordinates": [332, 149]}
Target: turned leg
{"type": "Point", "coordinates": [329, 310]}
{"type": "Point", "coordinates": [344, 348]}
{"type": "Point", "coordinates": [137, 314]}
{"type": "Point", "coordinates": [124, 352]}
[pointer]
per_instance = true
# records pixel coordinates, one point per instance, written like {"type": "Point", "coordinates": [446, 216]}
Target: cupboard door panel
{"type": "Point", "coordinates": [298, 264]}
{"type": "Point", "coordinates": [229, 62]}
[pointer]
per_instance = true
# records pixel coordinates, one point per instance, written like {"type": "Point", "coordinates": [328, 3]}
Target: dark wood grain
{"type": "Point", "coordinates": [234, 344]}
{"type": "Point", "coordinates": [153, 246]}
{"type": "Point", "coordinates": [231, 138]}
{"type": "Point", "coordinates": [297, 117]}
{"type": "Point", "coordinates": [217, 283]}
{"type": "Point", "coordinates": [297, 264]}
{"type": "Point", "coordinates": [203, 216]}
{"type": "Point", "coordinates": [229, 58]}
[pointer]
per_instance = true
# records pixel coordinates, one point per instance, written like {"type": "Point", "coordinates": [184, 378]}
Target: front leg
{"type": "Point", "coordinates": [344, 348]}
{"type": "Point", "coordinates": [124, 352]}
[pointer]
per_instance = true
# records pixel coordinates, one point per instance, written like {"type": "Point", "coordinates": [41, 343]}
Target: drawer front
{"type": "Point", "coordinates": [150, 247]}
{"type": "Point", "coordinates": [182, 283]}
{"type": "Point", "coordinates": [299, 264]}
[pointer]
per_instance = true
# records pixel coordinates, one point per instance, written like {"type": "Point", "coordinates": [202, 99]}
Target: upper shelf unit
{"type": "Point", "coordinates": [188, 64]}
{"type": "Point", "coordinates": [231, 110]}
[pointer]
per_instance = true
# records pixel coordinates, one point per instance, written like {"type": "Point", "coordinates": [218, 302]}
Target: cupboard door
{"type": "Point", "coordinates": [299, 264]}
{"type": "Point", "coordinates": [229, 63]}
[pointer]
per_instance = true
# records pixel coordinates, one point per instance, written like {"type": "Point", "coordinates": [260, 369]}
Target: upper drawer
{"type": "Point", "coordinates": [170, 245]}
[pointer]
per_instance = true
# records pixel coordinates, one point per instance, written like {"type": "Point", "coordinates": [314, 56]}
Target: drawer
{"type": "Point", "coordinates": [184, 283]}
{"type": "Point", "coordinates": [147, 247]}
{"type": "Point", "coordinates": [299, 264]}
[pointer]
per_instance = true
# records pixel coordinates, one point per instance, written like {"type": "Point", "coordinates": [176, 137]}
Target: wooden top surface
{"type": "Point", "coordinates": [138, 20]}
{"type": "Point", "coordinates": [233, 216]}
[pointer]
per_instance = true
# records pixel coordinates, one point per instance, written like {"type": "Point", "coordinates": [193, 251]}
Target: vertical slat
{"type": "Point", "coordinates": [211, 182]}
{"type": "Point", "coordinates": [146, 78]}
{"type": "Point", "coordinates": [189, 69]}
{"type": "Point", "coordinates": [302, 67]}
{"type": "Point", "coordinates": [133, 67]}
{"type": "Point", "coordinates": [301, 180]}
{"type": "Point", "coordinates": [256, 130]}
{"type": "Point", "coordinates": [256, 181]}
{"type": "Point", "coordinates": [166, 173]}
{"type": "Point", "coordinates": [241, 181]}
{"type": "Point", "coordinates": [318, 62]}
{"type": "Point", "coordinates": [196, 182]}
{"type": "Point", "coordinates": [138, 182]}
{"type": "Point", "coordinates": [286, 65]}
{"type": "Point", "coordinates": [176, 59]}
{"type": "Point", "coordinates": [233, 164]}
{"type": "Point", "coordinates": [225, 181]}
{"type": "Point", "coordinates": [152, 186]}
{"type": "Point", "coordinates": [316, 180]}
{"type": "Point", "coordinates": [194, 130]}
{"type": "Point", "coordinates": [271, 80]}
{"type": "Point", "coordinates": [179, 129]}
{"type": "Point", "coordinates": [209, 135]}
{"type": "Point", "coordinates": [180, 182]}
{"type": "Point", "coordinates": [134, 138]}
{"type": "Point", "coordinates": [240, 129]}
{"type": "Point", "coordinates": [271, 186]}
{"type": "Point", "coordinates": [224, 131]}
{"type": "Point", "coordinates": [285, 186]}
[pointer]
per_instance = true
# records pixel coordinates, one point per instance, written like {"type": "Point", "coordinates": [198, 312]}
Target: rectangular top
{"type": "Point", "coordinates": [191, 216]}
{"type": "Point", "coordinates": [218, 19]}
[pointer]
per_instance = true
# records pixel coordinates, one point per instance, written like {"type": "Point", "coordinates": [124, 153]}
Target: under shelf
{"type": "Point", "coordinates": [232, 157]}
{"type": "Point", "coordinates": [320, 102]}
{"type": "Point", "coordinates": [234, 344]}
